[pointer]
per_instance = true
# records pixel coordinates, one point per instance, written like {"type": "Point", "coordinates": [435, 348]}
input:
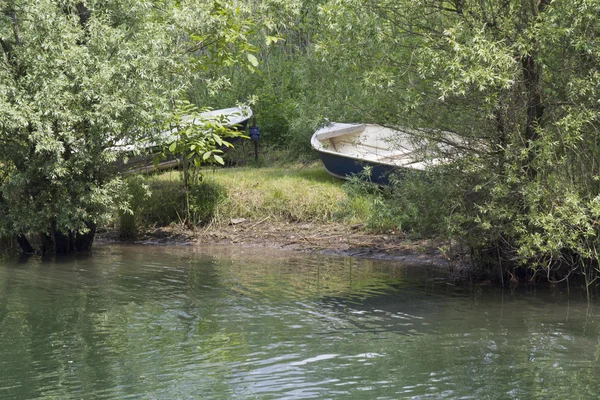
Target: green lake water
{"type": "Point", "coordinates": [142, 322]}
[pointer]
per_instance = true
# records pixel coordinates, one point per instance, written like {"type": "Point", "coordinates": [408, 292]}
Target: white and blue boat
{"type": "Point", "coordinates": [347, 149]}
{"type": "Point", "coordinates": [140, 155]}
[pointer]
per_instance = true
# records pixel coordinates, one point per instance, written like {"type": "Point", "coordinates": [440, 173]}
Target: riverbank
{"type": "Point", "coordinates": [293, 206]}
{"type": "Point", "coordinates": [331, 239]}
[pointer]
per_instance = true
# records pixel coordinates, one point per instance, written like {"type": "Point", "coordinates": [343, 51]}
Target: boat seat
{"type": "Point", "coordinates": [333, 133]}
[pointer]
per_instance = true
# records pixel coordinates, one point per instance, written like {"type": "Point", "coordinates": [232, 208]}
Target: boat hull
{"type": "Point", "coordinates": [343, 167]}
{"type": "Point", "coordinates": [346, 150]}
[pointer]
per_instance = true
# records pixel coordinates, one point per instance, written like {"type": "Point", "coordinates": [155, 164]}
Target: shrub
{"type": "Point", "coordinates": [204, 199]}
{"type": "Point", "coordinates": [156, 202]}
{"type": "Point", "coordinates": [416, 203]}
{"type": "Point", "coordinates": [129, 219]}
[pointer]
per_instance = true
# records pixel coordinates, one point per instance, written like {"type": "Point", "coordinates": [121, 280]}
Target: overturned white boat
{"type": "Point", "coordinates": [140, 157]}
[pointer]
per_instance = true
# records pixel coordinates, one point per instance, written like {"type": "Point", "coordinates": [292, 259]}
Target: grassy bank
{"type": "Point", "coordinates": [294, 206]}
{"type": "Point", "coordinates": [296, 192]}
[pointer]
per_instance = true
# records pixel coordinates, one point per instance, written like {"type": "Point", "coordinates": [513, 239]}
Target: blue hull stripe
{"type": "Point", "coordinates": [340, 166]}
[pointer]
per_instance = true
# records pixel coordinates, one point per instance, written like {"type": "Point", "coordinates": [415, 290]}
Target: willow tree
{"type": "Point", "coordinates": [518, 81]}
{"type": "Point", "coordinates": [78, 77]}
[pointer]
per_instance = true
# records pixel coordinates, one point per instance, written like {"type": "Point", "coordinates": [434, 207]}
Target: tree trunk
{"type": "Point", "coordinates": [63, 243]}
{"type": "Point", "coordinates": [186, 184]}
{"type": "Point", "coordinates": [535, 108]}
{"type": "Point", "coordinates": [26, 247]}
{"type": "Point", "coordinates": [84, 241]}
{"type": "Point", "coordinates": [47, 243]}
{"type": "Point", "coordinates": [60, 243]}
{"type": "Point", "coordinates": [533, 88]}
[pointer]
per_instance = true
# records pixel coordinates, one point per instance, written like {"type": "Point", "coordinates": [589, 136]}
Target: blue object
{"type": "Point", "coordinates": [343, 167]}
{"type": "Point", "coordinates": [254, 133]}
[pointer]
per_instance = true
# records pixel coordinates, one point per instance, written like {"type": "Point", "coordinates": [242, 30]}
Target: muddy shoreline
{"type": "Point", "coordinates": [330, 239]}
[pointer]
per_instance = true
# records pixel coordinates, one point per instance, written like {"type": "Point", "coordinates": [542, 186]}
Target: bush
{"type": "Point", "coordinates": [423, 203]}
{"type": "Point", "coordinates": [204, 199]}
{"type": "Point", "coordinates": [157, 202]}
{"type": "Point", "coordinates": [415, 203]}
{"type": "Point", "coordinates": [129, 219]}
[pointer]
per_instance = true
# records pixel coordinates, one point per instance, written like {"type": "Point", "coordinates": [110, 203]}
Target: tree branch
{"type": "Point", "coordinates": [5, 47]}
{"type": "Point", "coordinates": [543, 4]}
{"type": "Point", "coordinates": [12, 15]}
{"type": "Point", "coordinates": [84, 14]}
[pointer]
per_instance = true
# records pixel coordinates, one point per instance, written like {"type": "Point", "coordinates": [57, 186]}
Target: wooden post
{"type": "Point", "coordinates": [255, 137]}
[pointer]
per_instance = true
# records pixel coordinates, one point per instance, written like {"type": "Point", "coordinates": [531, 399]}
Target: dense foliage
{"type": "Point", "coordinates": [518, 81]}
{"type": "Point", "coordinates": [77, 79]}
{"type": "Point", "coordinates": [162, 202]}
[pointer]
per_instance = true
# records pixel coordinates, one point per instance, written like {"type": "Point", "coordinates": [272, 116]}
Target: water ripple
{"type": "Point", "coordinates": [144, 322]}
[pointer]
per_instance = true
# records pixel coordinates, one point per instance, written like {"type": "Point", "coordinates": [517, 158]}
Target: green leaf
{"type": "Point", "coordinates": [218, 159]}
{"type": "Point", "coordinates": [252, 59]}
{"type": "Point", "coordinates": [173, 147]}
{"type": "Point", "coordinates": [271, 39]}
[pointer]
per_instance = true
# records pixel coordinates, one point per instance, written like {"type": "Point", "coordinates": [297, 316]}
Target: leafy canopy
{"type": "Point", "coordinates": [77, 77]}
{"type": "Point", "coordinates": [521, 76]}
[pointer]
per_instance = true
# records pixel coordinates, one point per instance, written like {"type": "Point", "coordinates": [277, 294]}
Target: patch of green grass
{"type": "Point", "coordinates": [302, 192]}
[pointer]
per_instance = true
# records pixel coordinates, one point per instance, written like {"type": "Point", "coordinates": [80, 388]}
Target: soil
{"type": "Point", "coordinates": [336, 239]}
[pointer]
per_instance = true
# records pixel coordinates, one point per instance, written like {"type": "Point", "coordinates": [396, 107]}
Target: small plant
{"type": "Point", "coordinates": [204, 200]}
{"type": "Point", "coordinates": [197, 140]}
